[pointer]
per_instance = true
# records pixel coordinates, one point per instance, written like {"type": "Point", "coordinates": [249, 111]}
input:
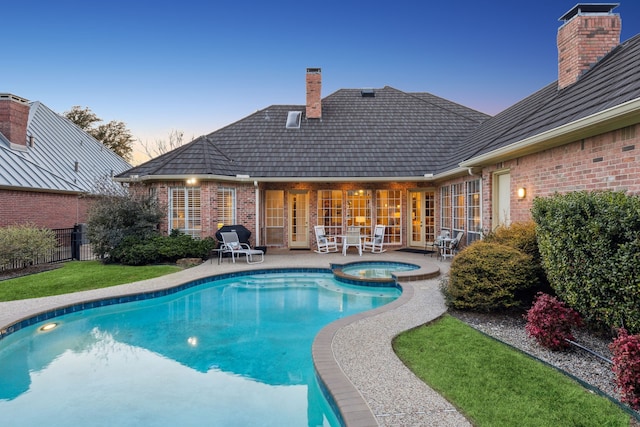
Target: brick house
{"type": "Point", "coordinates": [49, 168]}
{"type": "Point", "coordinates": [414, 162]}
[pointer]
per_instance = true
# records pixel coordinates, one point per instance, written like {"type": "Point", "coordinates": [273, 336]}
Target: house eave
{"type": "Point", "coordinates": [617, 117]}
{"type": "Point", "coordinates": [255, 179]}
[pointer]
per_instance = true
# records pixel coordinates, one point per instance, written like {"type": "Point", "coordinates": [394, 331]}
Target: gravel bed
{"type": "Point", "coordinates": [579, 363]}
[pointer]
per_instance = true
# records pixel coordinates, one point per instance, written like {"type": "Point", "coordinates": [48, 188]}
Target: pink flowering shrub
{"type": "Point", "coordinates": [626, 366]}
{"type": "Point", "coordinates": [549, 321]}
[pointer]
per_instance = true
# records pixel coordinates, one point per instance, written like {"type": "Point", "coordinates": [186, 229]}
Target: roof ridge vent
{"type": "Point", "coordinates": [368, 92]}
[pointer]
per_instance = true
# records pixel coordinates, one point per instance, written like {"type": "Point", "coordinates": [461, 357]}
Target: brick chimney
{"type": "Point", "coordinates": [314, 96]}
{"type": "Point", "coordinates": [590, 32]}
{"type": "Point", "coordinates": [14, 115]}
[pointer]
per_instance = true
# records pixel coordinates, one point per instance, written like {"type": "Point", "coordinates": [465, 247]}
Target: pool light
{"type": "Point", "coordinates": [47, 327]}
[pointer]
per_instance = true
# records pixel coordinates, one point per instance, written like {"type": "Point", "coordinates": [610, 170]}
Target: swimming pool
{"type": "Point", "coordinates": [233, 351]}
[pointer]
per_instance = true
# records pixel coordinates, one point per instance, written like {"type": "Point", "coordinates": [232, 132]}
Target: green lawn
{"type": "Point", "coordinates": [78, 276]}
{"type": "Point", "coordinates": [495, 385]}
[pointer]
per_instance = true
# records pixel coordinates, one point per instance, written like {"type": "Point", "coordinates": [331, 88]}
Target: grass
{"type": "Point", "coordinates": [495, 385]}
{"type": "Point", "coordinates": [78, 276]}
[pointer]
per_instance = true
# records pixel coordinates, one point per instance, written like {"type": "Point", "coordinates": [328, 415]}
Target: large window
{"type": "Point", "coordinates": [274, 218]}
{"type": "Point", "coordinates": [388, 213]}
{"type": "Point", "coordinates": [184, 210]}
{"type": "Point", "coordinates": [457, 199]}
{"type": "Point", "coordinates": [445, 209]}
{"type": "Point", "coordinates": [359, 209]}
{"type": "Point", "coordinates": [330, 211]}
{"type": "Point", "coordinates": [474, 211]}
{"type": "Point", "coordinates": [226, 206]}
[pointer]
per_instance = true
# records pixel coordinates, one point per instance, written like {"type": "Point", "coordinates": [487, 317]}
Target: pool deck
{"type": "Point", "coordinates": [353, 356]}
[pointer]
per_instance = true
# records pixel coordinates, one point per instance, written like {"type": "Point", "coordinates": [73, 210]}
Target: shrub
{"type": "Point", "coordinates": [550, 321]}
{"type": "Point", "coordinates": [488, 276]}
{"type": "Point", "coordinates": [590, 249]}
{"type": "Point", "coordinates": [522, 236]}
{"type": "Point", "coordinates": [112, 218]}
{"type": "Point", "coordinates": [160, 249]}
{"type": "Point", "coordinates": [23, 244]}
{"type": "Point", "coordinates": [626, 366]}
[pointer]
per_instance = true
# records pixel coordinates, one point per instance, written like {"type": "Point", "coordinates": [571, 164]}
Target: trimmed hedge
{"type": "Point", "coordinates": [590, 248]}
{"type": "Point", "coordinates": [489, 277]}
{"type": "Point", "coordinates": [160, 249]}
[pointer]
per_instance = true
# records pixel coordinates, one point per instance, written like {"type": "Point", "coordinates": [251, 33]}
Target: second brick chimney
{"type": "Point", "coordinates": [590, 32]}
{"type": "Point", "coordinates": [314, 96]}
{"type": "Point", "coordinates": [14, 116]}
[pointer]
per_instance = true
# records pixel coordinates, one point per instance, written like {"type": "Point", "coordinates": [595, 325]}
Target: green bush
{"type": "Point", "coordinates": [522, 236]}
{"type": "Point", "coordinates": [590, 248]}
{"type": "Point", "coordinates": [23, 244]}
{"type": "Point", "coordinates": [112, 218]}
{"type": "Point", "coordinates": [160, 249]}
{"type": "Point", "coordinates": [489, 277]}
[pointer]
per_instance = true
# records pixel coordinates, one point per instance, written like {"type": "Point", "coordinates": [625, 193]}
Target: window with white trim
{"type": "Point", "coordinates": [474, 211]}
{"type": "Point", "coordinates": [184, 210]}
{"type": "Point", "coordinates": [445, 209]}
{"type": "Point", "coordinates": [457, 200]}
{"type": "Point", "coordinates": [330, 210]}
{"type": "Point", "coordinates": [226, 206]}
{"type": "Point", "coordinates": [388, 213]}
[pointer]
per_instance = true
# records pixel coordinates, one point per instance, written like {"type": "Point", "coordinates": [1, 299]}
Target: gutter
{"type": "Point", "coordinates": [253, 179]}
{"type": "Point", "coordinates": [610, 119]}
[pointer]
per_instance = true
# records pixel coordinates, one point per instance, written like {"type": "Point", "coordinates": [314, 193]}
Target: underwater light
{"type": "Point", "coordinates": [47, 327]}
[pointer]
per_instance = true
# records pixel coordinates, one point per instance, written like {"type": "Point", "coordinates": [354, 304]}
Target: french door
{"type": "Point", "coordinates": [422, 208]}
{"type": "Point", "coordinates": [298, 219]}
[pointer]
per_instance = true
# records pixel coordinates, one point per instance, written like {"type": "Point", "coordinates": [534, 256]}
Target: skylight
{"type": "Point", "coordinates": [293, 119]}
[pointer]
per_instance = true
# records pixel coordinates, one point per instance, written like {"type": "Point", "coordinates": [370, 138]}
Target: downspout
{"type": "Point", "coordinates": [257, 190]}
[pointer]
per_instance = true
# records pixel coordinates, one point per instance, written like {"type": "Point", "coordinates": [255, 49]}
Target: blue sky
{"type": "Point", "coordinates": [196, 66]}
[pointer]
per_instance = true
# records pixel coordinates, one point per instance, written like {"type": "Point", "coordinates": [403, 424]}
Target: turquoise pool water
{"type": "Point", "coordinates": [371, 270]}
{"type": "Point", "coordinates": [231, 352]}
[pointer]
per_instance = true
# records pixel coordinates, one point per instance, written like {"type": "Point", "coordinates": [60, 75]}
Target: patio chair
{"type": "Point", "coordinates": [436, 245]}
{"type": "Point", "coordinates": [375, 242]}
{"type": "Point", "coordinates": [352, 238]}
{"type": "Point", "coordinates": [325, 243]}
{"type": "Point", "coordinates": [450, 247]}
{"type": "Point", "coordinates": [231, 244]}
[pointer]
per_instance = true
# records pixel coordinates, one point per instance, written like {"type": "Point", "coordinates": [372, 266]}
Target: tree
{"type": "Point", "coordinates": [161, 146]}
{"type": "Point", "coordinates": [84, 118]}
{"type": "Point", "coordinates": [114, 135]}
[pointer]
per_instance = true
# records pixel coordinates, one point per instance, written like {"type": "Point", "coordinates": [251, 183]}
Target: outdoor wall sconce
{"type": "Point", "coordinates": [522, 192]}
{"type": "Point", "coordinates": [191, 181]}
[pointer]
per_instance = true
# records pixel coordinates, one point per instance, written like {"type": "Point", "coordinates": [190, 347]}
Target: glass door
{"type": "Point", "coordinates": [298, 220]}
{"type": "Point", "coordinates": [421, 218]}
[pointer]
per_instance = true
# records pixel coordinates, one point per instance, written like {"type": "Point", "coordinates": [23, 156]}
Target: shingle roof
{"type": "Point", "coordinates": [393, 134]}
{"type": "Point", "coordinates": [50, 164]}
{"type": "Point", "coordinates": [614, 80]}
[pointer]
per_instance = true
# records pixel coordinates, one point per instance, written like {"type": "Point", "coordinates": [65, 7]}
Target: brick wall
{"type": "Point", "coordinates": [49, 210]}
{"type": "Point", "coordinates": [610, 161]}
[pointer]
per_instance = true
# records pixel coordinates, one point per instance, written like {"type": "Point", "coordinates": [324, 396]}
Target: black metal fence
{"type": "Point", "coordinates": [72, 244]}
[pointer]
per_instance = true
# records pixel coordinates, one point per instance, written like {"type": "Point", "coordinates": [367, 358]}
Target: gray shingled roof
{"type": "Point", "coordinates": [50, 164]}
{"type": "Point", "coordinates": [614, 80]}
{"type": "Point", "coordinates": [393, 134]}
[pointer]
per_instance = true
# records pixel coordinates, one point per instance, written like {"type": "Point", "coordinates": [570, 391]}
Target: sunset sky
{"type": "Point", "coordinates": [196, 66]}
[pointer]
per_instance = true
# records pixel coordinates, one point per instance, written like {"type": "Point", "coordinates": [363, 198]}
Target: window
{"type": "Point", "coordinates": [330, 211]}
{"type": "Point", "coordinates": [226, 206]}
{"type": "Point", "coordinates": [457, 199]}
{"type": "Point", "coordinates": [388, 213]}
{"type": "Point", "coordinates": [445, 209]}
{"type": "Point", "coordinates": [274, 218]}
{"type": "Point", "coordinates": [184, 210]}
{"type": "Point", "coordinates": [293, 119]}
{"type": "Point", "coordinates": [359, 209]}
{"type": "Point", "coordinates": [474, 211]}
